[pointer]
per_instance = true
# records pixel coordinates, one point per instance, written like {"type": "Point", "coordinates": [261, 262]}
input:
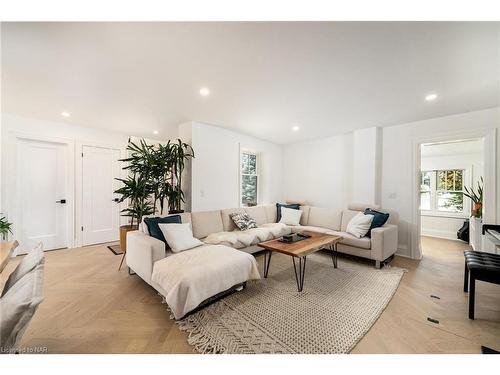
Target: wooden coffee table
{"type": "Point", "coordinates": [301, 249]}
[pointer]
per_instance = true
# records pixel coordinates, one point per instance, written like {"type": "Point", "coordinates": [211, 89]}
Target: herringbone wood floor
{"type": "Point", "coordinates": [90, 307]}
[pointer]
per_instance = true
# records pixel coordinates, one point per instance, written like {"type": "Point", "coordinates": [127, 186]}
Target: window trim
{"type": "Point", "coordinates": [257, 174]}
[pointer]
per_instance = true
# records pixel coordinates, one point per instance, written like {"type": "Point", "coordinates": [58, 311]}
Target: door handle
{"type": "Point", "coordinates": [62, 201]}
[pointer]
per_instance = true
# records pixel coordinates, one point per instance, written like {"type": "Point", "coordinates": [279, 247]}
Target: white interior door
{"type": "Point", "coordinates": [101, 212]}
{"type": "Point", "coordinates": [42, 195]}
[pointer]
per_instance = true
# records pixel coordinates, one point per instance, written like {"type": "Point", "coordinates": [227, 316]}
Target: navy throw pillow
{"type": "Point", "coordinates": [294, 206]}
{"type": "Point", "coordinates": [154, 229]}
{"type": "Point", "coordinates": [379, 219]}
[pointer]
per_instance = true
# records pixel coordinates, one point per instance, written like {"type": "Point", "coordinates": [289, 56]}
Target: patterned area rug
{"type": "Point", "coordinates": [335, 310]}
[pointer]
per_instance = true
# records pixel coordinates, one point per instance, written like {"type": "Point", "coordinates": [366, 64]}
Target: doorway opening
{"type": "Point", "coordinates": [449, 172]}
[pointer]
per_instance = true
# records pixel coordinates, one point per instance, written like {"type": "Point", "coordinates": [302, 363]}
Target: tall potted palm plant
{"type": "Point", "coordinates": [155, 176]}
{"type": "Point", "coordinates": [179, 154]}
{"type": "Point", "coordinates": [137, 188]}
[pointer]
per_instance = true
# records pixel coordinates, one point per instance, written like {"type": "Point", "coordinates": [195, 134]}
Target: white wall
{"type": "Point", "coordinates": [215, 169]}
{"type": "Point", "coordinates": [319, 172]}
{"type": "Point", "coordinates": [446, 225]}
{"type": "Point", "coordinates": [366, 165]}
{"type": "Point", "coordinates": [398, 164]}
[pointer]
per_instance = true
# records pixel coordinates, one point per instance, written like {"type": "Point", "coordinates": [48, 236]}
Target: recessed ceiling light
{"type": "Point", "coordinates": [431, 97]}
{"type": "Point", "coordinates": [295, 128]}
{"type": "Point", "coordinates": [155, 131]}
{"type": "Point", "coordinates": [204, 91]}
{"type": "Point", "coordinates": [65, 114]}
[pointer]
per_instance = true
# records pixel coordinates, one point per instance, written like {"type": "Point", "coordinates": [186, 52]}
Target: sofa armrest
{"type": "Point", "coordinates": [384, 242]}
{"type": "Point", "coordinates": [142, 252]}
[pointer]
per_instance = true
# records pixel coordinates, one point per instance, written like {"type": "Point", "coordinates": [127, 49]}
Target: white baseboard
{"type": "Point", "coordinates": [439, 234]}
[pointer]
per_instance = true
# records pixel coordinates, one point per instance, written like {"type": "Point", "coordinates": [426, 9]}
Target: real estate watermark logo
{"type": "Point", "coordinates": [25, 350]}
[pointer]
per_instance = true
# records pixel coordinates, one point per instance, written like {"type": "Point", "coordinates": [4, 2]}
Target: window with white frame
{"type": "Point", "coordinates": [442, 191]}
{"type": "Point", "coordinates": [249, 178]}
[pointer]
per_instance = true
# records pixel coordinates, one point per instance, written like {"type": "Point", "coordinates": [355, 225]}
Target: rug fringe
{"type": "Point", "coordinates": [200, 341]}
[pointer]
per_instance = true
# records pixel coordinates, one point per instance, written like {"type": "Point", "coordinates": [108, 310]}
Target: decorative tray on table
{"type": "Point", "coordinates": [291, 238]}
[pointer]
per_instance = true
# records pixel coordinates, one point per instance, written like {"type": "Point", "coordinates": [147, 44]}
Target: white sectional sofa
{"type": "Point", "coordinates": [149, 258]}
{"type": "Point", "coordinates": [216, 227]}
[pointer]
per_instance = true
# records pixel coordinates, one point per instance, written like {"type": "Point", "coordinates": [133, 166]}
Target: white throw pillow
{"type": "Point", "coordinates": [18, 305]}
{"type": "Point", "coordinates": [179, 236]}
{"type": "Point", "coordinates": [27, 264]}
{"type": "Point", "coordinates": [359, 225]}
{"type": "Point", "coordinates": [289, 216]}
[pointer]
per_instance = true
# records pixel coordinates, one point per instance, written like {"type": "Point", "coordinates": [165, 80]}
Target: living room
{"type": "Point", "coordinates": [250, 187]}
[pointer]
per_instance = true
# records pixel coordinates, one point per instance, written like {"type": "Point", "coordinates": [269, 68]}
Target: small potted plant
{"type": "Point", "coordinates": [5, 228]}
{"type": "Point", "coordinates": [475, 221]}
{"type": "Point", "coordinates": [477, 198]}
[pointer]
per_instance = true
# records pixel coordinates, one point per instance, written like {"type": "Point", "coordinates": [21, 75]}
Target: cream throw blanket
{"type": "Point", "coordinates": [250, 236]}
{"type": "Point", "coordinates": [190, 277]}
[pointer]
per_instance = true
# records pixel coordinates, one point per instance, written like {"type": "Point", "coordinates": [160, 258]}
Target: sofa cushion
{"type": "Point", "coordinates": [206, 222]}
{"type": "Point", "coordinates": [303, 228]}
{"type": "Point", "coordinates": [347, 215]}
{"type": "Point", "coordinates": [350, 240]}
{"type": "Point", "coordinates": [379, 219]}
{"type": "Point", "coordinates": [235, 245]}
{"type": "Point", "coordinates": [278, 209]}
{"type": "Point", "coordinates": [347, 239]}
{"type": "Point", "coordinates": [305, 215]}
{"type": "Point", "coordinates": [228, 223]}
{"type": "Point", "coordinates": [152, 224]}
{"type": "Point", "coordinates": [270, 212]}
{"type": "Point", "coordinates": [258, 213]}
{"type": "Point", "coordinates": [325, 217]}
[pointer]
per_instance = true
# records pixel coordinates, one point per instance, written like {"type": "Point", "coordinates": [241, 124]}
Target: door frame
{"type": "Point", "coordinates": [79, 183]}
{"type": "Point", "coordinates": [490, 177]}
{"type": "Point", "coordinates": [11, 170]}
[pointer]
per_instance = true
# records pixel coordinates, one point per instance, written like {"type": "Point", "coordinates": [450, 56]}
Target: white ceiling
{"type": "Point", "coordinates": [264, 77]}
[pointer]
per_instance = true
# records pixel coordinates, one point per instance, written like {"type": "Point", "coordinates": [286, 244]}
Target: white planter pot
{"type": "Point", "coordinates": [475, 236]}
